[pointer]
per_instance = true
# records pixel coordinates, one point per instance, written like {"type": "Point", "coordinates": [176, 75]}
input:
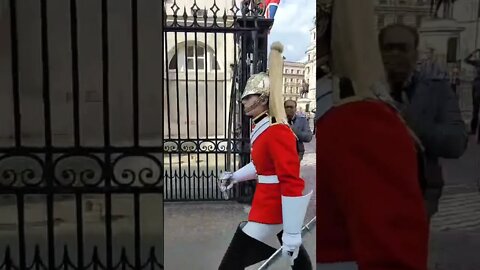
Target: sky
{"type": "Point", "coordinates": [293, 21]}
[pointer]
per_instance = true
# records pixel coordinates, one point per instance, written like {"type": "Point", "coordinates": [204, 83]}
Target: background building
{"type": "Point", "coordinates": [293, 74]}
{"type": "Point", "coordinates": [195, 74]}
{"type": "Point", "coordinates": [90, 77]}
{"type": "Point", "coordinates": [409, 12]}
{"type": "Point", "coordinates": [310, 68]}
{"type": "Point", "coordinates": [466, 13]}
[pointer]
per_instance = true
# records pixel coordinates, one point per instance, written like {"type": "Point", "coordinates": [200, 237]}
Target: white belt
{"type": "Point", "coordinates": [268, 179]}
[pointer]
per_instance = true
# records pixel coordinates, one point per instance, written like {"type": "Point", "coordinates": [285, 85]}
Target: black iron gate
{"type": "Point", "coordinates": [80, 142]}
{"type": "Point", "coordinates": [209, 53]}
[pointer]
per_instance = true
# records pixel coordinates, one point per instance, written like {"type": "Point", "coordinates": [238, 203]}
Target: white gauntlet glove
{"type": "Point", "coordinates": [228, 179]}
{"type": "Point", "coordinates": [293, 211]}
{"type": "Point", "coordinates": [291, 245]}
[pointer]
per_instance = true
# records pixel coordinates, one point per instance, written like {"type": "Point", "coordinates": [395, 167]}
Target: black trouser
{"type": "Point", "coordinates": [432, 200]}
{"type": "Point", "coordinates": [245, 251]}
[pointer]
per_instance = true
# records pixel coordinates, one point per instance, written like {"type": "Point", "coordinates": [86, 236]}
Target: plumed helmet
{"type": "Point", "coordinates": [270, 84]}
{"type": "Point", "coordinates": [257, 84]}
{"type": "Point", "coordinates": [355, 50]}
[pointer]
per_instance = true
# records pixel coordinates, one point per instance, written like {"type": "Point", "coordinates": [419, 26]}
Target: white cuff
{"type": "Point", "coordinates": [247, 172]}
{"type": "Point", "coordinates": [293, 211]}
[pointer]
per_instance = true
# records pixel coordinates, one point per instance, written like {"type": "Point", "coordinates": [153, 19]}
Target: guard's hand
{"type": "Point", "coordinates": [291, 245]}
{"type": "Point", "coordinates": [226, 181]}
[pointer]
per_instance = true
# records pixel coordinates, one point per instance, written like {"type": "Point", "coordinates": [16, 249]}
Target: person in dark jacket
{"type": "Point", "coordinates": [299, 125]}
{"type": "Point", "coordinates": [428, 105]}
{"type": "Point", "coordinates": [370, 210]}
{"type": "Point", "coordinates": [475, 90]}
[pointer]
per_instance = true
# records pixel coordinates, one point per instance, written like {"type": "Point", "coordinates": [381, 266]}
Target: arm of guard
{"type": "Point", "coordinates": [247, 172]}
{"type": "Point", "coordinates": [283, 150]}
{"type": "Point", "coordinates": [376, 185]}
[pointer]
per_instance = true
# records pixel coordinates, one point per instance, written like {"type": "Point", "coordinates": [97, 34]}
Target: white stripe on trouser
{"type": "Point", "coordinates": [337, 266]}
{"type": "Point", "coordinates": [266, 233]}
{"type": "Point", "coordinates": [268, 179]}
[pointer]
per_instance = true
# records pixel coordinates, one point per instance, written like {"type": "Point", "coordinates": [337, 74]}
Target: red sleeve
{"type": "Point", "coordinates": [283, 150]}
{"type": "Point", "coordinates": [377, 189]}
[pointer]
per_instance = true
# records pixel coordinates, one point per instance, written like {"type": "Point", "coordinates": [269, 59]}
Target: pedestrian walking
{"type": "Point", "coordinates": [370, 212]}
{"type": "Point", "coordinates": [455, 80]}
{"type": "Point", "coordinates": [475, 62]}
{"type": "Point", "coordinates": [300, 126]}
{"type": "Point", "coordinates": [427, 103]}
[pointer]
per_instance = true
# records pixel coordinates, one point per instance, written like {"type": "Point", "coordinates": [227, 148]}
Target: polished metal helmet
{"type": "Point", "coordinates": [270, 85]}
{"type": "Point", "coordinates": [257, 84]}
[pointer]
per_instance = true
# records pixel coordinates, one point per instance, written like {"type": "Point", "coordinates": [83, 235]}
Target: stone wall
{"type": "Point", "coordinates": [30, 72]}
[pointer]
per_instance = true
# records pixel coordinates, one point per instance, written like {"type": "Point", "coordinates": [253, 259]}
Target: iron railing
{"type": "Point", "coordinates": [49, 179]}
{"type": "Point", "coordinates": [209, 55]}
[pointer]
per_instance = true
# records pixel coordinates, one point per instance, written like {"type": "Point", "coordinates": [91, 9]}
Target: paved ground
{"type": "Point", "coordinates": [455, 236]}
{"type": "Point", "coordinates": [93, 228]}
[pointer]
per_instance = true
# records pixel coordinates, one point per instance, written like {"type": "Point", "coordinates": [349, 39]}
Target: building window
{"type": "Point", "coordinates": [196, 59]}
{"type": "Point", "coordinates": [173, 63]}
{"type": "Point", "coordinates": [452, 50]}
{"type": "Point", "coordinates": [199, 55]}
{"type": "Point", "coordinates": [402, 2]}
{"type": "Point", "coordinates": [380, 21]}
{"type": "Point", "coordinates": [418, 20]}
{"type": "Point", "coordinates": [382, 2]}
{"type": "Point", "coordinates": [400, 19]}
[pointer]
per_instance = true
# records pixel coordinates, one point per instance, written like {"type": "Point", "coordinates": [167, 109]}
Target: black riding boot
{"type": "Point", "coordinates": [302, 262]}
{"type": "Point", "coordinates": [244, 251]}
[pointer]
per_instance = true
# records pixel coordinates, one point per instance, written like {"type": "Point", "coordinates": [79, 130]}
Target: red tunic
{"type": "Point", "coordinates": [274, 152]}
{"type": "Point", "coordinates": [369, 204]}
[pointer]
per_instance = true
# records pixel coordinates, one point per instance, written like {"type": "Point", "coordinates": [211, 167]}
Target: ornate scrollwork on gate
{"type": "Point", "coordinates": [78, 170]}
{"type": "Point", "coordinates": [188, 146]}
{"type": "Point", "coordinates": [207, 146]}
{"type": "Point", "coordinates": [200, 146]}
{"type": "Point", "coordinates": [21, 170]}
{"type": "Point", "coordinates": [223, 146]}
{"type": "Point", "coordinates": [170, 146]}
{"type": "Point", "coordinates": [137, 170]}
